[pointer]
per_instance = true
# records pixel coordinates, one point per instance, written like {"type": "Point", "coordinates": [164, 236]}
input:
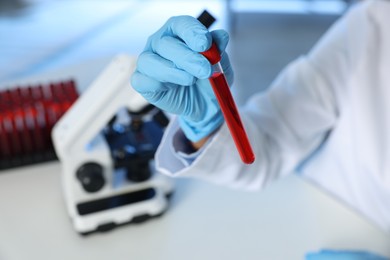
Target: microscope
{"type": "Point", "coordinates": [106, 143]}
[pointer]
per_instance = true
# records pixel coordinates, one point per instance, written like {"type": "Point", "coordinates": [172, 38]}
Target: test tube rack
{"type": "Point", "coordinates": [27, 116]}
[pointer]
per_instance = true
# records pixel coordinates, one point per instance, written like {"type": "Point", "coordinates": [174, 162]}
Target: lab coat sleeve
{"type": "Point", "coordinates": [285, 125]}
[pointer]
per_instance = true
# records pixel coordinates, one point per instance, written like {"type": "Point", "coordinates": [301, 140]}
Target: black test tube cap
{"type": "Point", "coordinates": [206, 19]}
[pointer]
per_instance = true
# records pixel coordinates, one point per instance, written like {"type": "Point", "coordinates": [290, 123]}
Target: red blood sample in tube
{"type": "Point", "coordinates": [18, 132]}
{"type": "Point", "coordinates": [39, 127]}
{"type": "Point", "coordinates": [65, 106]}
{"type": "Point", "coordinates": [228, 106]}
{"type": "Point", "coordinates": [71, 91]}
{"type": "Point", "coordinates": [37, 93]}
{"type": "Point", "coordinates": [42, 120]}
{"type": "Point", "coordinates": [26, 137]}
{"type": "Point", "coordinates": [15, 137]}
{"type": "Point", "coordinates": [5, 150]}
{"type": "Point", "coordinates": [7, 134]}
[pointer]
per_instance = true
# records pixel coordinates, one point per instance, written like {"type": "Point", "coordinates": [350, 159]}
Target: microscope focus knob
{"type": "Point", "coordinates": [91, 176]}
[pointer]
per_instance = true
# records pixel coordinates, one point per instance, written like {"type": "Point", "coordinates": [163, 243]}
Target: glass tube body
{"type": "Point", "coordinates": [230, 113]}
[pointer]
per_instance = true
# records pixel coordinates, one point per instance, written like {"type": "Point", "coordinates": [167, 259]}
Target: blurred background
{"type": "Point", "coordinates": [69, 38]}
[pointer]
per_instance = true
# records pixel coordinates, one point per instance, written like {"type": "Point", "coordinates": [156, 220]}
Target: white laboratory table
{"type": "Point", "coordinates": [205, 221]}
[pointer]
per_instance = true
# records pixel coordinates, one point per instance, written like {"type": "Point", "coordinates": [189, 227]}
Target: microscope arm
{"type": "Point", "coordinates": [101, 101]}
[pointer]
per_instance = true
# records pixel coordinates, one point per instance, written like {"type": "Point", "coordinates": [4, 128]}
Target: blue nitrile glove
{"type": "Point", "coordinates": [172, 75]}
{"type": "Point", "coordinates": [343, 255]}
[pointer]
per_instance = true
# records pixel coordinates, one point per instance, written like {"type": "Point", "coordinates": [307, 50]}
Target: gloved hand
{"type": "Point", "coordinates": [343, 255]}
{"type": "Point", "coordinates": [172, 75]}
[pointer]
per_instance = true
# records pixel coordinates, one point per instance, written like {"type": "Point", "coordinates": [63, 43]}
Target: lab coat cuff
{"type": "Point", "coordinates": [173, 155]}
{"type": "Point", "coordinates": [181, 147]}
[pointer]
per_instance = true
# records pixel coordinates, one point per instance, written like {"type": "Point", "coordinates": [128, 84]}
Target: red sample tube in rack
{"type": "Point", "coordinates": [27, 116]}
{"type": "Point", "coordinates": [228, 106]}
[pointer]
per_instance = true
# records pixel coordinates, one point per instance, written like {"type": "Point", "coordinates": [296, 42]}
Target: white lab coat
{"type": "Point", "coordinates": [326, 116]}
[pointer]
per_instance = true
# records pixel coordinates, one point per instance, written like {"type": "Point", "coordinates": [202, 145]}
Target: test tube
{"type": "Point", "coordinates": [228, 106]}
{"type": "Point", "coordinates": [5, 150]}
{"type": "Point", "coordinates": [40, 122]}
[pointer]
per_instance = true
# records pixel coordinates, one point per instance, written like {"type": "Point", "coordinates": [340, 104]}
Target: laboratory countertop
{"type": "Point", "coordinates": [286, 220]}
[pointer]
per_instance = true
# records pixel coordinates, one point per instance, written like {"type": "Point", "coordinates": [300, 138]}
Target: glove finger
{"type": "Point", "coordinates": [160, 69]}
{"type": "Point", "coordinates": [144, 84]}
{"type": "Point", "coordinates": [221, 38]}
{"type": "Point", "coordinates": [186, 28]}
{"type": "Point", "coordinates": [326, 254]}
{"type": "Point", "coordinates": [159, 94]}
{"type": "Point", "coordinates": [348, 254]}
{"type": "Point", "coordinates": [168, 97]}
{"type": "Point", "coordinates": [183, 57]}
